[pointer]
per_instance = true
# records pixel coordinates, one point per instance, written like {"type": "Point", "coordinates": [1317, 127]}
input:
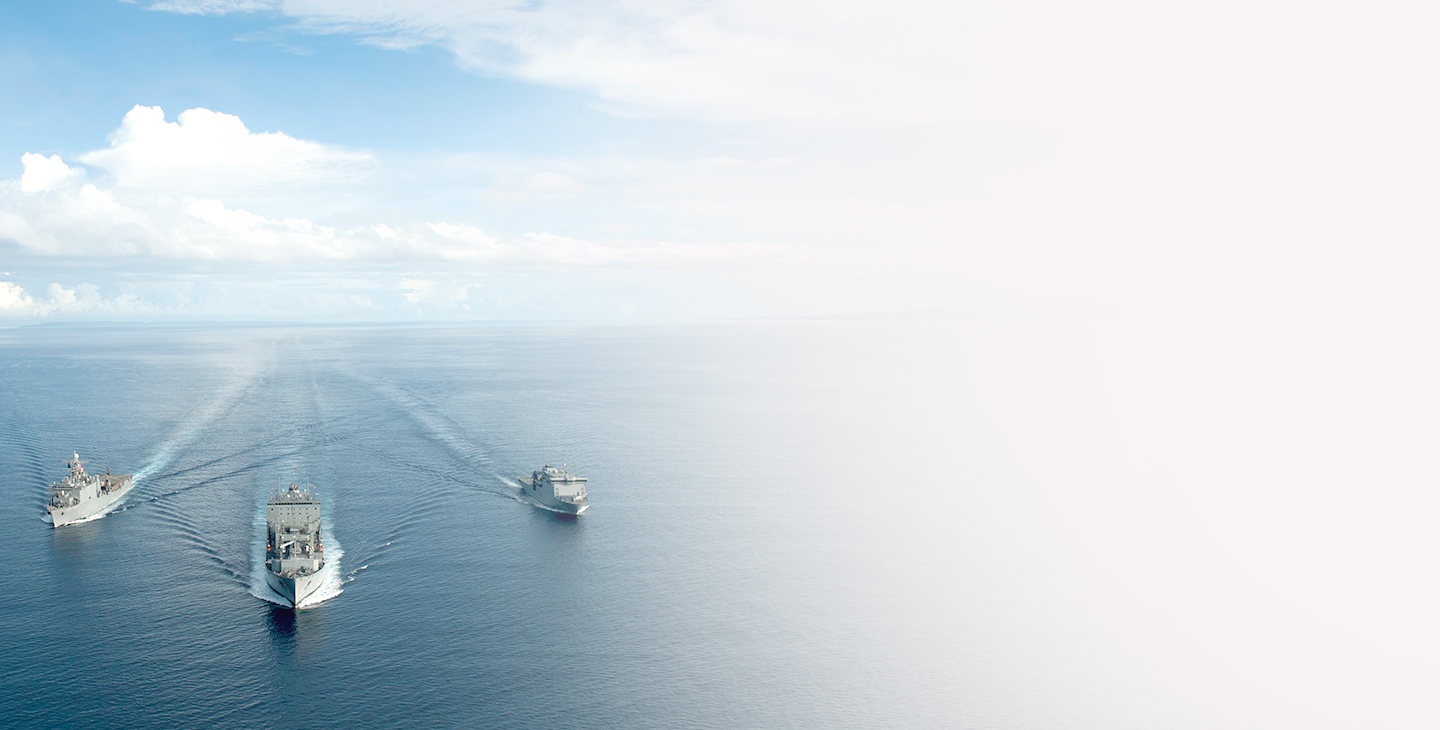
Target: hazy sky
{"type": "Point", "coordinates": [321, 159]}
{"type": "Point", "coordinates": [1247, 187]}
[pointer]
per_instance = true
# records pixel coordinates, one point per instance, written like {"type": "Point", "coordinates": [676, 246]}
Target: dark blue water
{"type": "Point", "coordinates": [765, 546]}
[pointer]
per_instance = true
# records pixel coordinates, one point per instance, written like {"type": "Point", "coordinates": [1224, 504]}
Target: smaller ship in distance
{"type": "Point", "coordinates": [294, 553]}
{"type": "Point", "coordinates": [82, 495]}
{"type": "Point", "coordinates": [557, 489]}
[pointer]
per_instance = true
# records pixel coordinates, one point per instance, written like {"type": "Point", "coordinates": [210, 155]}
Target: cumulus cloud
{"type": "Point", "coordinates": [204, 152]}
{"type": "Point", "coordinates": [55, 210]}
{"type": "Point", "coordinates": [85, 220]}
{"type": "Point", "coordinates": [46, 173]}
{"type": "Point", "coordinates": [16, 302]}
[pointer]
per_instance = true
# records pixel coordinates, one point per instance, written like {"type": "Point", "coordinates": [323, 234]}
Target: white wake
{"type": "Point", "coordinates": [195, 425]}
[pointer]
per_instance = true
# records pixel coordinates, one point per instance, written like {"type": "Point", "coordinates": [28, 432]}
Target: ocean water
{"type": "Point", "coordinates": [794, 524]}
{"type": "Point", "coordinates": [740, 566]}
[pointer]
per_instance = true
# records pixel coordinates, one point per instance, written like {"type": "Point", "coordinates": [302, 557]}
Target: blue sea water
{"type": "Point", "coordinates": [771, 542]}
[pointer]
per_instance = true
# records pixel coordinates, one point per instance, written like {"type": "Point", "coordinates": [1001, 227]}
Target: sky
{"type": "Point", "coordinates": [436, 159]}
{"type": "Point", "coordinates": [1230, 205]}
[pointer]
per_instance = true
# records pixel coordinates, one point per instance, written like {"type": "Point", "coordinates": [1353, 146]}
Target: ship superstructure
{"type": "Point", "coordinates": [80, 495]}
{"type": "Point", "coordinates": [556, 488]}
{"type": "Point", "coordinates": [294, 553]}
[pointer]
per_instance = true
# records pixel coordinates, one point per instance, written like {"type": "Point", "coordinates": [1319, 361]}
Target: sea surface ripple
{"type": "Point", "coordinates": [754, 556]}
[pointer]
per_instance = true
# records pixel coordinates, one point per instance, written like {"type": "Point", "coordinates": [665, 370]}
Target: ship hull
{"type": "Point", "coordinates": [567, 507]}
{"type": "Point", "coordinates": [548, 500]}
{"type": "Point", "coordinates": [294, 590]}
{"type": "Point", "coordinates": [61, 516]}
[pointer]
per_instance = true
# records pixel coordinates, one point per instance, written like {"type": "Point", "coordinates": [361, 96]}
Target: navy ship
{"type": "Point", "coordinates": [294, 553]}
{"type": "Point", "coordinates": [80, 496]}
{"type": "Point", "coordinates": [557, 489]}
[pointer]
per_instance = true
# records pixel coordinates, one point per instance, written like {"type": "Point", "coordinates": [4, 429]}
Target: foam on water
{"type": "Point", "coordinates": [527, 499]}
{"type": "Point", "coordinates": [116, 506]}
{"type": "Point", "coordinates": [440, 427]}
{"type": "Point", "coordinates": [520, 496]}
{"type": "Point", "coordinates": [332, 581]}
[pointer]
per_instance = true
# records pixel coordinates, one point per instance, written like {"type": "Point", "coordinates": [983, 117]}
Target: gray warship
{"type": "Point", "coordinates": [80, 495]}
{"type": "Point", "coordinates": [557, 489]}
{"type": "Point", "coordinates": [294, 553]}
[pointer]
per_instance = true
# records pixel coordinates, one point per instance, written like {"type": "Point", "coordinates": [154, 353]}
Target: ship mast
{"type": "Point", "coordinates": [76, 465]}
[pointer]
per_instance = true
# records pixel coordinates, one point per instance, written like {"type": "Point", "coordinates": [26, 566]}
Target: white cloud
{"type": "Point", "coordinates": [208, 153]}
{"type": "Point", "coordinates": [212, 7]}
{"type": "Point", "coordinates": [46, 173]}
{"type": "Point", "coordinates": [416, 289]}
{"type": "Point", "coordinates": [1153, 158]}
{"type": "Point", "coordinates": [53, 210]}
{"type": "Point", "coordinates": [735, 59]}
{"type": "Point", "coordinates": [84, 220]}
{"type": "Point", "coordinates": [431, 296]}
{"type": "Point", "coordinates": [87, 221]}
{"type": "Point", "coordinates": [1161, 158]}
{"type": "Point", "coordinates": [15, 301]}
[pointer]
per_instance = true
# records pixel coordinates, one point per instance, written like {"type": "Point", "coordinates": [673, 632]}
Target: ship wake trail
{"type": "Point", "coordinates": [446, 432]}
{"type": "Point", "coordinates": [28, 466]}
{"type": "Point", "coordinates": [184, 530]}
{"type": "Point", "coordinates": [223, 401]}
{"type": "Point", "coordinates": [443, 429]}
{"type": "Point", "coordinates": [517, 493]}
{"type": "Point", "coordinates": [117, 505]}
{"type": "Point", "coordinates": [416, 512]}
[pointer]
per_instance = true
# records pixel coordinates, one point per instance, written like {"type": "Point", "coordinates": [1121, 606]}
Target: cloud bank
{"type": "Point", "coordinates": [15, 301]}
{"type": "Point", "coordinates": [144, 205]}
{"type": "Point", "coordinates": [1173, 159]}
{"type": "Point", "coordinates": [1150, 160]}
{"type": "Point", "coordinates": [158, 207]}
